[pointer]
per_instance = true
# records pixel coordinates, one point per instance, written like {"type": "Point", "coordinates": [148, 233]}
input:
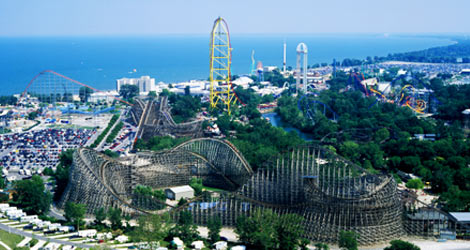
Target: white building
{"type": "Point", "coordinates": [122, 238]}
{"type": "Point", "coordinates": [105, 96]}
{"type": "Point", "coordinates": [176, 193]}
{"type": "Point", "coordinates": [196, 87]}
{"type": "Point", "coordinates": [198, 245]}
{"type": "Point", "coordinates": [269, 68]}
{"type": "Point", "coordinates": [178, 242]}
{"type": "Point", "coordinates": [29, 218]}
{"type": "Point", "coordinates": [221, 245]}
{"type": "Point", "coordinates": [243, 81]}
{"type": "Point", "coordinates": [90, 233]}
{"type": "Point", "coordinates": [145, 83]}
{"type": "Point", "coordinates": [239, 247]}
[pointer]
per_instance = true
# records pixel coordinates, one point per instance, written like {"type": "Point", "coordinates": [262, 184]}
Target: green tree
{"type": "Point", "coordinates": [110, 153]}
{"type": "Point", "coordinates": [401, 245]}
{"type": "Point", "coordinates": [187, 90]}
{"type": "Point", "coordinates": [348, 240]}
{"type": "Point", "coordinates": [31, 196]}
{"type": "Point", "coordinates": [258, 231]}
{"type": "Point", "coordinates": [415, 184]}
{"type": "Point", "coordinates": [8, 100]}
{"type": "Point", "coordinates": [128, 91]}
{"type": "Point", "coordinates": [115, 217]}
{"type": "Point", "coordinates": [84, 93]}
{"type": "Point", "coordinates": [214, 225]}
{"type": "Point", "coordinates": [32, 115]}
{"type": "Point", "coordinates": [185, 228]}
{"type": "Point", "coordinates": [152, 229]}
{"type": "Point", "coordinates": [381, 135]}
{"type": "Point", "coordinates": [304, 244]}
{"type": "Point", "coordinates": [75, 212]}
{"type": "Point", "coordinates": [266, 230]}
{"type": "Point", "coordinates": [289, 231]}
{"type": "Point", "coordinates": [61, 174]}
{"type": "Point", "coordinates": [165, 92]}
{"type": "Point", "coordinates": [321, 246]}
{"type": "Point", "coordinates": [100, 216]}
{"type": "Point", "coordinates": [152, 94]}
{"type": "Point", "coordinates": [223, 122]}
{"type": "Point", "coordinates": [2, 180]}
{"type": "Point", "coordinates": [196, 184]}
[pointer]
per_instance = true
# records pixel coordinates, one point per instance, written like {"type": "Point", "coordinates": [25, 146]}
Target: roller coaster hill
{"type": "Point", "coordinates": [62, 94]}
{"type": "Point", "coordinates": [330, 193]}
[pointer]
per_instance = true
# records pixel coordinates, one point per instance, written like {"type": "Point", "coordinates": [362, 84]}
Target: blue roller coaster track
{"type": "Point", "coordinates": [310, 108]}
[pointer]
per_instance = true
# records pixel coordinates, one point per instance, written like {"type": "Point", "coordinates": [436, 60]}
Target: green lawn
{"type": "Point", "coordinates": [10, 239]}
{"type": "Point", "coordinates": [218, 190]}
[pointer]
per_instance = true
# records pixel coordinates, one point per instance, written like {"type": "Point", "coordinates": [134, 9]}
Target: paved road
{"type": "Point", "coordinates": [54, 212]}
{"type": "Point", "coordinates": [40, 237]}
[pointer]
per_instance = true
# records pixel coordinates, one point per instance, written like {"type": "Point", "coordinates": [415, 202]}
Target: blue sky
{"type": "Point", "coordinates": [153, 17]}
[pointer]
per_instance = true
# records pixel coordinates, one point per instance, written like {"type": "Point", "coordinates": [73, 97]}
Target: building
{"type": "Point", "coordinates": [369, 82]}
{"type": "Point", "coordinates": [243, 81]}
{"type": "Point", "coordinates": [145, 83]}
{"type": "Point", "coordinates": [176, 193]}
{"type": "Point", "coordinates": [220, 245]}
{"type": "Point", "coordinates": [178, 243]}
{"type": "Point", "coordinates": [196, 87]}
{"type": "Point", "coordinates": [198, 244]}
{"type": "Point", "coordinates": [105, 96]}
{"type": "Point", "coordinates": [461, 224]}
{"type": "Point", "coordinates": [269, 68]}
{"type": "Point", "coordinates": [87, 233]}
{"type": "Point", "coordinates": [465, 72]}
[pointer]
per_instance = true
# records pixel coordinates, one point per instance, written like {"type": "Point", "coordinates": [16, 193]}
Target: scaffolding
{"type": "Point", "coordinates": [153, 118]}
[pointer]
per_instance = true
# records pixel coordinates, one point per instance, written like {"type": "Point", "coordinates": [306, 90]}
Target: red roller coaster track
{"type": "Point", "coordinates": [70, 79]}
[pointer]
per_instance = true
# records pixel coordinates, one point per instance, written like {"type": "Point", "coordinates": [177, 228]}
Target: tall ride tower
{"type": "Point", "coordinates": [284, 61]}
{"type": "Point", "coordinates": [220, 59]}
{"type": "Point", "coordinates": [301, 50]}
{"type": "Point", "coordinates": [253, 62]}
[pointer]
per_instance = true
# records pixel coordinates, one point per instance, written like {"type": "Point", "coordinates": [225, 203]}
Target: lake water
{"type": "Point", "coordinates": [99, 61]}
{"type": "Point", "coordinates": [276, 121]}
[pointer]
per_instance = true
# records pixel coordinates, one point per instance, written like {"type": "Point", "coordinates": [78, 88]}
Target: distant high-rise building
{"type": "Point", "coordinates": [145, 83]}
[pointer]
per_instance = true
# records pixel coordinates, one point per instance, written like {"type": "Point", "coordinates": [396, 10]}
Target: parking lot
{"type": "Point", "coordinates": [24, 154]}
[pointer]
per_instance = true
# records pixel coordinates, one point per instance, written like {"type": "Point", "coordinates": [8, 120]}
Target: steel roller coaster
{"type": "Point", "coordinates": [310, 106]}
{"type": "Point", "coordinates": [221, 89]}
{"type": "Point", "coordinates": [408, 95]}
{"type": "Point", "coordinates": [50, 86]}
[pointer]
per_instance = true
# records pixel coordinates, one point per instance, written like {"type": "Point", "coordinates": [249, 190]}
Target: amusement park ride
{"type": "Point", "coordinates": [408, 95]}
{"type": "Point", "coordinates": [221, 91]}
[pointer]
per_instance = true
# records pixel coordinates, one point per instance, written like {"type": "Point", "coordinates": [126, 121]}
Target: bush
{"type": "Point", "coordinates": [105, 131]}
{"type": "Point", "coordinates": [415, 184]}
{"type": "Point", "coordinates": [114, 132]}
{"type": "Point", "coordinates": [196, 184]}
{"type": "Point", "coordinates": [348, 240]}
{"type": "Point", "coordinates": [401, 245]}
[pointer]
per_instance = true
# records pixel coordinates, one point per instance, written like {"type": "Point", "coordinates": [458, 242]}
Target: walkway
{"type": "Point", "coordinates": [23, 243]}
{"type": "Point", "coordinates": [5, 245]}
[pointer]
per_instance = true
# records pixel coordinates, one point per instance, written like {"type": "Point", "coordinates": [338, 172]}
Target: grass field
{"type": "Point", "coordinates": [10, 239]}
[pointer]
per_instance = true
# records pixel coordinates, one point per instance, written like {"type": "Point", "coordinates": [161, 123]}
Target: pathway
{"type": "Point", "coordinates": [5, 245]}
{"type": "Point", "coordinates": [23, 243]}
